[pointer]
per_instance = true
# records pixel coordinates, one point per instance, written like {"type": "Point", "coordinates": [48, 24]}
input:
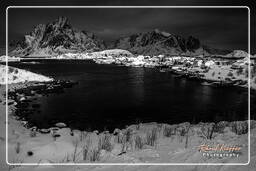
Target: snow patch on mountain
{"type": "Point", "coordinates": [163, 33]}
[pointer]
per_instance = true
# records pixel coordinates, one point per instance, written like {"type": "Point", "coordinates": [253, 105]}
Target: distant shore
{"type": "Point", "coordinates": [214, 71]}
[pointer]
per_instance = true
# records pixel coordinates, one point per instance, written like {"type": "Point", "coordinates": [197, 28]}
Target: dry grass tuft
{"type": "Point", "coordinates": [138, 142]}
{"type": "Point", "coordinates": [105, 143]}
{"type": "Point", "coordinates": [151, 137]}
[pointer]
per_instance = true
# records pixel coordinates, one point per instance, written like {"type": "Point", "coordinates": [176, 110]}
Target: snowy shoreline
{"type": "Point", "coordinates": [149, 141]}
{"type": "Point", "coordinates": [16, 75]}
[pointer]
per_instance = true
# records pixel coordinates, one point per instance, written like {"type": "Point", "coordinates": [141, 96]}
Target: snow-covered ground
{"type": "Point", "coordinates": [9, 58]}
{"type": "Point", "coordinates": [16, 75]}
{"type": "Point", "coordinates": [139, 143]}
{"type": "Point", "coordinates": [105, 54]}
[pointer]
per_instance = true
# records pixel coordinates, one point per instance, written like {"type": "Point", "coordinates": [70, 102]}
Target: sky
{"type": "Point", "coordinates": [224, 28]}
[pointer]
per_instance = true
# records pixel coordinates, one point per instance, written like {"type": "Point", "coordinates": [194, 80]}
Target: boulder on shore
{"type": "Point", "coordinates": [61, 125]}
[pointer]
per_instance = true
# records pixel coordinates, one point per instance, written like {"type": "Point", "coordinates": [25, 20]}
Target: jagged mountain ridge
{"type": "Point", "coordinates": [57, 37]}
{"type": "Point", "coordinates": [60, 37]}
{"type": "Point", "coordinates": [156, 42]}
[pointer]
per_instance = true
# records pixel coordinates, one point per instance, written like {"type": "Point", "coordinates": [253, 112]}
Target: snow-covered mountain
{"type": "Point", "coordinates": [237, 54]}
{"type": "Point", "coordinates": [57, 37]}
{"type": "Point", "coordinates": [214, 51]}
{"type": "Point", "coordinates": [158, 42]}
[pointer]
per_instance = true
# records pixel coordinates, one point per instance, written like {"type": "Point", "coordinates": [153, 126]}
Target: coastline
{"type": "Point", "coordinates": [210, 71]}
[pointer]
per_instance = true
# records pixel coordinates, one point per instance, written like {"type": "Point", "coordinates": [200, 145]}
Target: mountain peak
{"type": "Point", "coordinates": [56, 37]}
{"type": "Point", "coordinates": [158, 42]}
{"type": "Point", "coordinates": [62, 21]}
{"type": "Point", "coordinates": [157, 30]}
{"type": "Point", "coordinates": [162, 32]}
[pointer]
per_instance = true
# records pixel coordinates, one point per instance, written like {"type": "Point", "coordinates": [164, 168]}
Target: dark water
{"type": "Point", "coordinates": [110, 96]}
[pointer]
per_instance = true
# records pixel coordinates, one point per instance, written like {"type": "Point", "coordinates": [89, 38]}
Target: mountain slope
{"type": "Point", "coordinates": [157, 42]}
{"type": "Point", "coordinates": [56, 38]}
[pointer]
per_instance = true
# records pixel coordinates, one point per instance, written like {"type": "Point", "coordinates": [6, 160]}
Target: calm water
{"type": "Point", "coordinates": [110, 96]}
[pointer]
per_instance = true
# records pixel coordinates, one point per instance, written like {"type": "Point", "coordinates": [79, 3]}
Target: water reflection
{"type": "Point", "coordinates": [203, 95]}
{"type": "Point", "coordinates": [114, 96]}
{"type": "Point", "coordinates": [136, 76]}
{"type": "Point", "coordinates": [183, 82]}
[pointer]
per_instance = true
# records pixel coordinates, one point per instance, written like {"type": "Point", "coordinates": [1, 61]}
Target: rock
{"type": "Point", "coordinates": [34, 128]}
{"type": "Point", "coordinates": [54, 129]}
{"type": "Point", "coordinates": [96, 132]}
{"type": "Point", "coordinates": [116, 131]}
{"type": "Point", "coordinates": [44, 131]}
{"type": "Point", "coordinates": [56, 135]}
{"type": "Point", "coordinates": [24, 123]}
{"type": "Point", "coordinates": [30, 153]}
{"type": "Point", "coordinates": [32, 92]}
{"type": "Point", "coordinates": [10, 102]}
{"type": "Point", "coordinates": [22, 98]}
{"type": "Point", "coordinates": [60, 125]}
